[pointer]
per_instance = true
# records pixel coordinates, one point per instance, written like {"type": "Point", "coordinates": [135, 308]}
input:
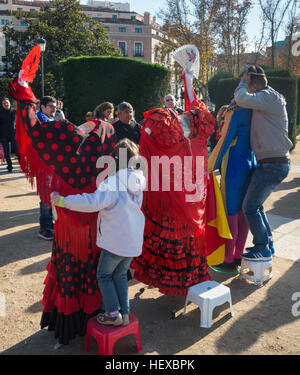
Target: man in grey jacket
{"type": "Point", "coordinates": [271, 145]}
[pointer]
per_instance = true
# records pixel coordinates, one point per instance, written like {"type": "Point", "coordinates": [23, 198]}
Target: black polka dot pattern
{"type": "Point", "coordinates": [65, 151]}
{"type": "Point", "coordinates": [74, 275]}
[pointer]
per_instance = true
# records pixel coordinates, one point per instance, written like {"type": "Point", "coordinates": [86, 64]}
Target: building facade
{"type": "Point", "coordinates": [136, 35]}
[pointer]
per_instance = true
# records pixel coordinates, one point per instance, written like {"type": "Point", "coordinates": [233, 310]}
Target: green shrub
{"type": "Point", "coordinates": [89, 81]}
{"type": "Point", "coordinates": [213, 84]}
{"type": "Point", "coordinates": [225, 91]}
{"type": "Point", "coordinates": [287, 73]}
{"type": "Point", "coordinates": [298, 103]}
{"type": "Point", "coordinates": [4, 82]}
{"type": "Point", "coordinates": [277, 72]}
{"type": "Point", "coordinates": [289, 89]}
{"type": "Point", "coordinates": [286, 86]}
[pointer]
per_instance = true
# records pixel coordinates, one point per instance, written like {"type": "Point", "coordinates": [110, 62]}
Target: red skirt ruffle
{"type": "Point", "coordinates": [71, 294]}
{"type": "Point", "coordinates": [172, 259]}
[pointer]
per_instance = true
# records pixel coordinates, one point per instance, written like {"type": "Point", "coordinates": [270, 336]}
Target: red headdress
{"type": "Point", "coordinates": [20, 90]}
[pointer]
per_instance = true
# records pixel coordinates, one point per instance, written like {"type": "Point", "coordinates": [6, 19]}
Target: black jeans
{"type": "Point", "coordinates": [46, 218]}
{"type": "Point", "coordinates": [5, 144]}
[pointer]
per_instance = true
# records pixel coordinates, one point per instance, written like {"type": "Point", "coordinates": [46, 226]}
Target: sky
{"type": "Point", "coordinates": [153, 6]}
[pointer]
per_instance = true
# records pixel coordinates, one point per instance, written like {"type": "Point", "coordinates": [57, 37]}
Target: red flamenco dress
{"type": "Point", "coordinates": [58, 158]}
{"type": "Point", "coordinates": [174, 250]}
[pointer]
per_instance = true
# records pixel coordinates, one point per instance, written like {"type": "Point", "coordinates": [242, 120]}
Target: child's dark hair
{"type": "Point", "coordinates": [132, 150]}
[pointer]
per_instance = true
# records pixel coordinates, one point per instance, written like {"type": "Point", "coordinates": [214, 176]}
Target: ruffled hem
{"type": "Point", "coordinates": [167, 226]}
{"type": "Point", "coordinates": [170, 261]}
{"type": "Point", "coordinates": [68, 305]}
{"type": "Point", "coordinates": [88, 303]}
{"type": "Point", "coordinates": [165, 286]}
{"type": "Point", "coordinates": [67, 315]}
{"type": "Point", "coordinates": [66, 327]}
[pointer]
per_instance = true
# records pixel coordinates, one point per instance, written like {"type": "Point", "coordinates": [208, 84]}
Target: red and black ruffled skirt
{"type": "Point", "coordinates": [71, 295]}
{"type": "Point", "coordinates": [173, 257]}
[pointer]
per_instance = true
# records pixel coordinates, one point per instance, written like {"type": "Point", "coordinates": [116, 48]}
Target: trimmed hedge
{"type": "Point", "coordinates": [286, 86]}
{"type": "Point", "coordinates": [4, 82]}
{"type": "Point", "coordinates": [298, 105]}
{"type": "Point", "coordinates": [225, 91]}
{"type": "Point", "coordinates": [278, 72]}
{"type": "Point", "coordinates": [89, 81]}
{"type": "Point", "coordinates": [212, 84]}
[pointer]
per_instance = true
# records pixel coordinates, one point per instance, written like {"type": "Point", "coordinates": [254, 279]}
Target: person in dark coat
{"type": "Point", "coordinates": [7, 129]}
{"type": "Point", "coordinates": [126, 126]}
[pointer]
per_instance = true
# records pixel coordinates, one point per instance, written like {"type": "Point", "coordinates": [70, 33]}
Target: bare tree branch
{"type": "Point", "coordinates": [274, 15]}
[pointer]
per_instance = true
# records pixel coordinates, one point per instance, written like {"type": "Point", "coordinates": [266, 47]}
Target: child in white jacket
{"type": "Point", "coordinates": [120, 231]}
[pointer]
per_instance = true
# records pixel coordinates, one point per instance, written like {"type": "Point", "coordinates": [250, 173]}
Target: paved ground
{"type": "Point", "coordinates": [265, 321]}
{"type": "Point", "coordinates": [283, 211]}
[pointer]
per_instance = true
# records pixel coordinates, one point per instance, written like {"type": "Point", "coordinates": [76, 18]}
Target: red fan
{"type": "Point", "coordinates": [30, 65]}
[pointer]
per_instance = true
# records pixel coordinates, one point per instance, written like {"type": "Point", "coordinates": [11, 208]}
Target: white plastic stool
{"type": "Point", "coordinates": [207, 296]}
{"type": "Point", "coordinates": [254, 270]}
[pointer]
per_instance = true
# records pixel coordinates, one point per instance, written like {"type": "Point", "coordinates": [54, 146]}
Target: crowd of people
{"type": "Point", "coordinates": [104, 226]}
{"type": "Point", "coordinates": [50, 109]}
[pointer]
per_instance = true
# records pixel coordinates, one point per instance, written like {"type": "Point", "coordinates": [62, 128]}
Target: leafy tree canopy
{"type": "Point", "coordinates": [68, 33]}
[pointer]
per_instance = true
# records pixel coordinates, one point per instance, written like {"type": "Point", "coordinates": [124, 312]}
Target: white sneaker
{"type": "Point", "coordinates": [125, 320]}
{"type": "Point", "coordinates": [106, 318]}
{"type": "Point", "coordinates": [46, 235]}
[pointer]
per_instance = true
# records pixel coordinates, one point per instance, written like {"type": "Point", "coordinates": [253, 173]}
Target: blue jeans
{"type": "Point", "coordinates": [5, 144]}
{"type": "Point", "coordinates": [112, 280]}
{"type": "Point", "coordinates": [46, 218]}
{"type": "Point", "coordinates": [263, 182]}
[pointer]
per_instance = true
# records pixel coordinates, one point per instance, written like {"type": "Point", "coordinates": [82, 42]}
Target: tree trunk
{"type": "Point", "coordinates": [273, 47]}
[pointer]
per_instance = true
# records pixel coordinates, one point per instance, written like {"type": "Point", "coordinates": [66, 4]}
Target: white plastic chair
{"type": "Point", "coordinates": [207, 296]}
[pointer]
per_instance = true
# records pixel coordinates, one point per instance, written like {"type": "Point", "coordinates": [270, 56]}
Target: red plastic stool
{"type": "Point", "coordinates": [107, 336]}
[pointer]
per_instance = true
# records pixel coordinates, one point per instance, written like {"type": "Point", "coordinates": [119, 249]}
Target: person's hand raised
{"type": "Point", "coordinates": [245, 77]}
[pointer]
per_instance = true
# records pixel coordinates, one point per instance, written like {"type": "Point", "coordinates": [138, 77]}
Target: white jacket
{"type": "Point", "coordinates": [120, 221]}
